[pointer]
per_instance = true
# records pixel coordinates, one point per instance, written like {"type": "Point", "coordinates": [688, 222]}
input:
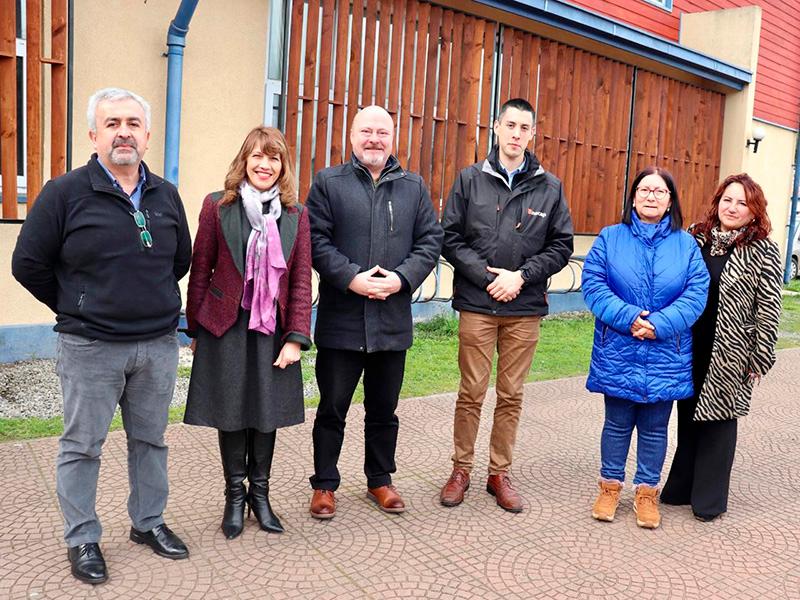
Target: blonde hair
{"type": "Point", "coordinates": [270, 141]}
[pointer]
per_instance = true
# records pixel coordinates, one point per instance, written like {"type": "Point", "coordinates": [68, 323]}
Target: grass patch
{"type": "Point", "coordinates": [789, 330]}
{"type": "Point", "coordinates": [31, 428]}
{"type": "Point", "coordinates": [564, 350]}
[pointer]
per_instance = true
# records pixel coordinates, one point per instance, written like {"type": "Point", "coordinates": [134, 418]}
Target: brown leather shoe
{"type": "Point", "coordinates": [500, 487]}
{"type": "Point", "coordinates": [323, 504]}
{"type": "Point", "coordinates": [387, 498]}
{"type": "Point", "coordinates": [453, 491]}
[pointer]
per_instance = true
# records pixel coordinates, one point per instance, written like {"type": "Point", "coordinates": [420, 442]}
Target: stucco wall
{"type": "Point", "coordinates": [120, 43]}
{"type": "Point", "coordinates": [16, 304]}
{"type": "Point", "coordinates": [771, 167]}
{"type": "Point", "coordinates": [734, 35]}
{"type": "Point", "coordinates": [223, 79]}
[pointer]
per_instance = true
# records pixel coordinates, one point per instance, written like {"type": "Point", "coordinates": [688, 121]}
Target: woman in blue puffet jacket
{"type": "Point", "coordinates": [646, 283]}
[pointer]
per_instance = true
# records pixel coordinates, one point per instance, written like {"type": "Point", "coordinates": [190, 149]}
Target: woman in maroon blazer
{"type": "Point", "coordinates": [249, 307]}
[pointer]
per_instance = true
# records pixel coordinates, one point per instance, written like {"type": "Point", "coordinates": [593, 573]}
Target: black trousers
{"type": "Point", "coordinates": [701, 468]}
{"type": "Point", "coordinates": [338, 372]}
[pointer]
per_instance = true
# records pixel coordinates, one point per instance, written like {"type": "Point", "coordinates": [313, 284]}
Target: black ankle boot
{"type": "Point", "coordinates": [259, 465]}
{"type": "Point", "coordinates": [233, 450]}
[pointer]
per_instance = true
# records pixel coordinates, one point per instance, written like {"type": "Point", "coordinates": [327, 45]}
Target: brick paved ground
{"type": "Point", "coordinates": [551, 550]}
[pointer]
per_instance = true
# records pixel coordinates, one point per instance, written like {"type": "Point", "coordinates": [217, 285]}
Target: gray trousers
{"type": "Point", "coordinates": [95, 377]}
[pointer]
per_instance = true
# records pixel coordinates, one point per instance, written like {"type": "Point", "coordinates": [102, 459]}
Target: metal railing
{"type": "Point", "coordinates": [444, 271]}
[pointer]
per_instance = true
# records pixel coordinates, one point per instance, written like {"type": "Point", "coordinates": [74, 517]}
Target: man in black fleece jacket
{"type": "Point", "coordinates": [104, 247]}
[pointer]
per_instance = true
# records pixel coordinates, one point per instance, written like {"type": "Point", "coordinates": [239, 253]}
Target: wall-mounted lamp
{"type": "Point", "coordinates": [758, 134]}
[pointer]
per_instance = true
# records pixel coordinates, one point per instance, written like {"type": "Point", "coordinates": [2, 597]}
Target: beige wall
{"type": "Point", "coordinates": [120, 43]}
{"type": "Point", "coordinates": [223, 79]}
{"type": "Point", "coordinates": [772, 168]}
{"type": "Point", "coordinates": [16, 304]}
{"type": "Point", "coordinates": [733, 35]}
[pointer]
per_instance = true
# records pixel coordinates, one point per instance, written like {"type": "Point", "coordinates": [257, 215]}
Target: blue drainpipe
{"type": "Point", "coordinates": [176, 41]}
{"type": "Point", "coordinates": [793, 213]}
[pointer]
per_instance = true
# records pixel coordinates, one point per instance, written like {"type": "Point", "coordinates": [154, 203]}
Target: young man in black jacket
{"type": "Point", "coordinates": [507, 229]}
{"type": "Point", "coordinates": [374, 239]}
{"type": "Point", "coordinates": [104, 247]}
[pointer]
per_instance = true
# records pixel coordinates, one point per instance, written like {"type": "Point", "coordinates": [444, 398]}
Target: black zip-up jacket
{"type": "Point", "coordinates": [80, 253]}
{"type": "Point", "coordinates": [356, 224]}
{"type": "Point", "coordinates": [525, 227]}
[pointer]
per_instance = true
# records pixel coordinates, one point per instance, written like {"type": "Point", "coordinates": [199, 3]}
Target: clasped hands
{"type": "Point", "coordinates": [376, 284]}
{"type": "Point", "coordinates": [642, 329]}
{"type": "Point", "coordinates": [506, 286]}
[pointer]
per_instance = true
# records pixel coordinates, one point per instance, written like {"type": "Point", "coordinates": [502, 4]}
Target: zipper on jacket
{"type": "Point", "coordinates": [679, 343]}
{"type": "Point", "coordinates": [80, 301]}
{"type": "Point", "coordinates": [391, 217]}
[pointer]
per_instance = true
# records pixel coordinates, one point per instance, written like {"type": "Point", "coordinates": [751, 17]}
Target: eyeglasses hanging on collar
{"type": "Point", "coordinates": [144, 234]}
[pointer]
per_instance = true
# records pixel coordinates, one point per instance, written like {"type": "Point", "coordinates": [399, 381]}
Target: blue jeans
{"type": "Point", "coordinates": [651, 421]}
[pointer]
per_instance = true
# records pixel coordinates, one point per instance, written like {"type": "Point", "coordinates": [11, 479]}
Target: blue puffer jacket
{"type": "Point", "coordinates": [637, 267]}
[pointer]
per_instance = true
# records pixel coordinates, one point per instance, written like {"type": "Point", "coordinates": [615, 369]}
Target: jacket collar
{"type": "Point", "coordinates": [650, 231]}
{"type": "Point", "coordinates": [532, 167]}
{"type": "Point", "coordinates": [391, 171]}
{"type": "Point", "coordinates": [230, 220]}
{"type": "Point", "coordinates": [101, 183]}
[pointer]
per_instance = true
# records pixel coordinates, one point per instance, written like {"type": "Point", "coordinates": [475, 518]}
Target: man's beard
{"type": "Point", "coordinates": [126, 159]}
{"type": "Point", "coordinates": [373, 159]}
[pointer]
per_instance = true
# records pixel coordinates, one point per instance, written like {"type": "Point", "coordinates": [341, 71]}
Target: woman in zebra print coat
{"type": "Point", "coordinates": [734, 343]}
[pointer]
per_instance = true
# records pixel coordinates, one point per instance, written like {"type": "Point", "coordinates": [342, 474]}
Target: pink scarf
{"type": "Point", "coordinates": [264, 264]}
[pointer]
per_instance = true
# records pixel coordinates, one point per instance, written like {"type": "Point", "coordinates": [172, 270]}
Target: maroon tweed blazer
{"type": "Point", "coordinates": [216, 278]}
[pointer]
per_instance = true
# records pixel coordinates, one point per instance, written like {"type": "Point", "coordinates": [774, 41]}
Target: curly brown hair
{"type": "Point", "coordinates": [758, 229]}
{"type": "Point", "coordinates": [270, 141]}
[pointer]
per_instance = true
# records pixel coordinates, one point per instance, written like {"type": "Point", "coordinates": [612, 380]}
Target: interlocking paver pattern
{"type": "Point", "coordinates": [554, 549]}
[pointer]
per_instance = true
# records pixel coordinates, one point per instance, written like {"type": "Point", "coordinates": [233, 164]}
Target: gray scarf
{"type": "Point", "coordinates": [253, 201]}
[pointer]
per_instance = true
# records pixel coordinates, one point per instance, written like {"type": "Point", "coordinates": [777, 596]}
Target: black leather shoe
{"type": "Point", "coordinates": [705, 518]}
{"type": "Point", "coordinates": [87, 563]}
{"type": "Point", "coordinates": [163, 542]}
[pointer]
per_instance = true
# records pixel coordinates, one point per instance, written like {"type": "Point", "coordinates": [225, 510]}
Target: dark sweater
{"type": "Point", "coordinates": [80, 253]}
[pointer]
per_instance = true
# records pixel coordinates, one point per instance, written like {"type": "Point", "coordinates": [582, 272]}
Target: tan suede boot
{"type": "Point", "coordinates": [607, 500]}
{"type": "Point", "coordinates": [645, 505]}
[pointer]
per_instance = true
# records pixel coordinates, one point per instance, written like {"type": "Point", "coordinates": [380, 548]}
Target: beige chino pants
{"type": "Point", "coordinates": [515, 339]}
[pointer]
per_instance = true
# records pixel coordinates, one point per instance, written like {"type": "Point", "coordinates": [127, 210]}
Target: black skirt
{"type": "Point", "coordinates": [234, 385]}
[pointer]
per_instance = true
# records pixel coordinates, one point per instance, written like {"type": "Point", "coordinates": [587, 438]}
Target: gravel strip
{"type": "Point", "coordinates": [31, 388]}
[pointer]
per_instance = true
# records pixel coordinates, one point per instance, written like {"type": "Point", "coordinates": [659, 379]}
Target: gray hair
{"type": "Point", "coordinates": [113, 94]}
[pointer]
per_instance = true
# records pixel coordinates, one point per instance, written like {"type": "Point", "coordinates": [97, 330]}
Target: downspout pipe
{"type": "Point", "coordinates": [793, 211]}
{"type": "Point", "coordinates": [176, 42]}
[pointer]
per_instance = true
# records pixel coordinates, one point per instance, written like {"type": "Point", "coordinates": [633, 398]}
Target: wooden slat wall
{"type": "Point", "coordinates": [581, 125]}
{"type": "Point", "coordinates": [9, 127]}
{"type": "Point", "coordinates": [679, 126]}
{"type": "Point", "coordinates": [33, 115]}
{"type": "Point", "coordinates": [435, 71]}
{"type": "Point", "coordinates": [431, 67]}
{"type": "Point", "coordinates": [58, 83]}
{"type": "Point", "coordinates": [8, 108]}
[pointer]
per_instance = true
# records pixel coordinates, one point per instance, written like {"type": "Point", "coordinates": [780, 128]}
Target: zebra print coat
{"type": "Point", "coordinates": [746, 330]}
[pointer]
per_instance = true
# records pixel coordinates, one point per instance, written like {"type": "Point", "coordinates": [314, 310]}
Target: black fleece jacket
{"type": "Point", "coordinates": [80, 253]}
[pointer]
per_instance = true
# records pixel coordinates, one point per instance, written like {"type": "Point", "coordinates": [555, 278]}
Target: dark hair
{"type": "Point", "coordinates": [519, 104]}
{"type": "Point", "coordinates": [676, 217]}
{"type": "Point", "coordinates": [758, 229]}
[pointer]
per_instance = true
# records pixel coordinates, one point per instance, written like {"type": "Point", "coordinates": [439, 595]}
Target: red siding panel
{"type": "Point", "coordinates": [779, 51]}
